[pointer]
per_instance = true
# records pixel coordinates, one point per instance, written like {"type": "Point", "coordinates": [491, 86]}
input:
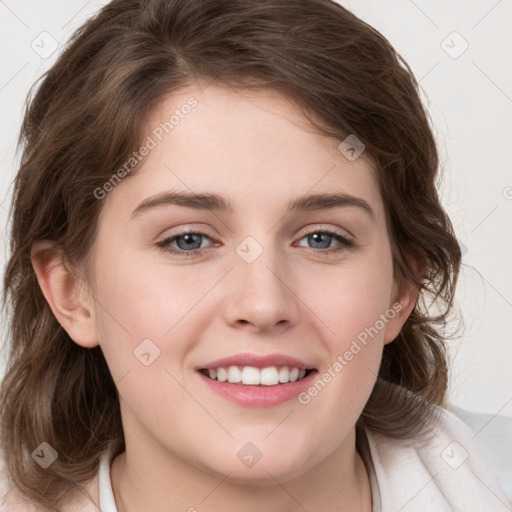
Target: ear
{"type": "Point", "coordinates": [72, 306]}
{"type": "Point", "coordinates": [404, 299]}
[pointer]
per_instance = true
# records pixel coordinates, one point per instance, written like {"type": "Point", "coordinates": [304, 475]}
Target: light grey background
{"type": "Point", "coordinates": [468, 92]}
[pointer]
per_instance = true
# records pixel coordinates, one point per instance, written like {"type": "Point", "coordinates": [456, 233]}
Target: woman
{"type": "Point", "coordinates": [260, 370]}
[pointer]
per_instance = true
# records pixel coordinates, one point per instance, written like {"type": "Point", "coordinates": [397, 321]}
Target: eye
{"type": "Point", "coordinates": [189, 242]}
{"type": "Point", "coordinates": [321, 241]}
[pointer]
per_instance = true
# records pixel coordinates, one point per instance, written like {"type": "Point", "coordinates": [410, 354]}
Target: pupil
{"type": "Point", "coordinates": [189, 239]}
{"type": "Point", "coordinates": [315, 236]}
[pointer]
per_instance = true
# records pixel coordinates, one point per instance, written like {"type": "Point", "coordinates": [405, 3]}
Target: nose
{"type": "Point", "coordinates": [260, 295]}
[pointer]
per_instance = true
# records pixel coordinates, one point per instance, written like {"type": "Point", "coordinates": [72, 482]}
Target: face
{"type": "Point", "coordinates": [258, 279]}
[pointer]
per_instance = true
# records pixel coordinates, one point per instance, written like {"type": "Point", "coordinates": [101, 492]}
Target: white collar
{"type": "Point", "coordinates": [106, 495]}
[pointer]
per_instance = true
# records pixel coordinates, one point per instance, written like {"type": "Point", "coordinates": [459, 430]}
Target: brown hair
{"type": "Point", "coordinates": [85, 120]}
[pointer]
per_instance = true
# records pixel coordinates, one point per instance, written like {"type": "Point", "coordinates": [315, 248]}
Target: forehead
{"type": "Point", "coordinates": [252, 147]}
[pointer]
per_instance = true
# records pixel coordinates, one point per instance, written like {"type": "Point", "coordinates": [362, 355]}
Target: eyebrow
{"type": "Point", "coordinates": [214, 202]}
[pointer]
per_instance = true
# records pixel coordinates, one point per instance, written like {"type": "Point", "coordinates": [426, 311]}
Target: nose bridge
{"type": "Point", "coordinates": [262, 294]}
{"type": "Point", "coordinates": [259, 264]}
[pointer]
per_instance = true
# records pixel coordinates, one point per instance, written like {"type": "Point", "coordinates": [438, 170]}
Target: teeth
{"type": "Point", "coordinates": [269, 376]}
{"type": "Point", "coordinates": [234, 374]}
{"type": "Point", "coordinates": [222, 374]}
{"type": "Point", "coordinates": [251, 376]}
{"type": "Point", "coordinates": [284, 374]}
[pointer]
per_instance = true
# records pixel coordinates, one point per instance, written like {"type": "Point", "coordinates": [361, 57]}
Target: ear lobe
{"type": "Point", "coordinates": [72, 307]}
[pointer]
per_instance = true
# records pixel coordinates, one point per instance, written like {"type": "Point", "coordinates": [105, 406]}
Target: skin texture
{"type": "Point", "coordinates": [253, 148]}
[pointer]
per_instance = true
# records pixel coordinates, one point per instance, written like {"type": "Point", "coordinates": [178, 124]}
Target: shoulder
{"type": "Point", "coordinates": [444, 470]}
{"type": "Point", "coordinates": [11, 500]}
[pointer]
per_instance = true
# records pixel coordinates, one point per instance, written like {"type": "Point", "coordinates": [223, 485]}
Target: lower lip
{"type": "Point", "coordinates": [259, 396]}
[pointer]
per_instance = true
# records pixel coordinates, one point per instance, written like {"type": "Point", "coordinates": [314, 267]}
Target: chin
{"type": "Point", "coordinates": [263, 472]}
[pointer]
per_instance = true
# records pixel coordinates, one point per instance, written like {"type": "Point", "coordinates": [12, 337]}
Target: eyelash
{"type": "Point", "coordinates": [165, 244]}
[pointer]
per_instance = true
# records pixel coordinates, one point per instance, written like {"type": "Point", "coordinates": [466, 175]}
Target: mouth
{"type": "Point", "coordinates": [258, 380]}
{"type": "Point", "coordinates": [253, 376]}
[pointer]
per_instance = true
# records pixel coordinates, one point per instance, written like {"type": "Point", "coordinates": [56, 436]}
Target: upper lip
{"type": "Point", "coordinates": [258, 361]}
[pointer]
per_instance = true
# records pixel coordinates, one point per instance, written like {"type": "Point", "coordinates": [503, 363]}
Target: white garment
{"type": "Point", "coordinates": [447, 473]}
{"type": "Point", "coordinates": [494, 434]}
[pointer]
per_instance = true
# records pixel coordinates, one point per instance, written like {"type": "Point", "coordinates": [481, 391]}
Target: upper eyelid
{"type": "Point", "coordinates": [335, 231]}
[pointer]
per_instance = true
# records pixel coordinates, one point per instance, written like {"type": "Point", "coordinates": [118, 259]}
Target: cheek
{"type": "Point", "coordinates": [354, 343]}
{"type": "Point", "coordinates": [142, 323]}
{"type": "Point", "coordinates": [353, 303]}
{"type": "Point", "coordinates": [146, 296]}
{"type": "Point", "coordinates": [137, 302]}
{"type": "Point", "coordinates": [350, 298]}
